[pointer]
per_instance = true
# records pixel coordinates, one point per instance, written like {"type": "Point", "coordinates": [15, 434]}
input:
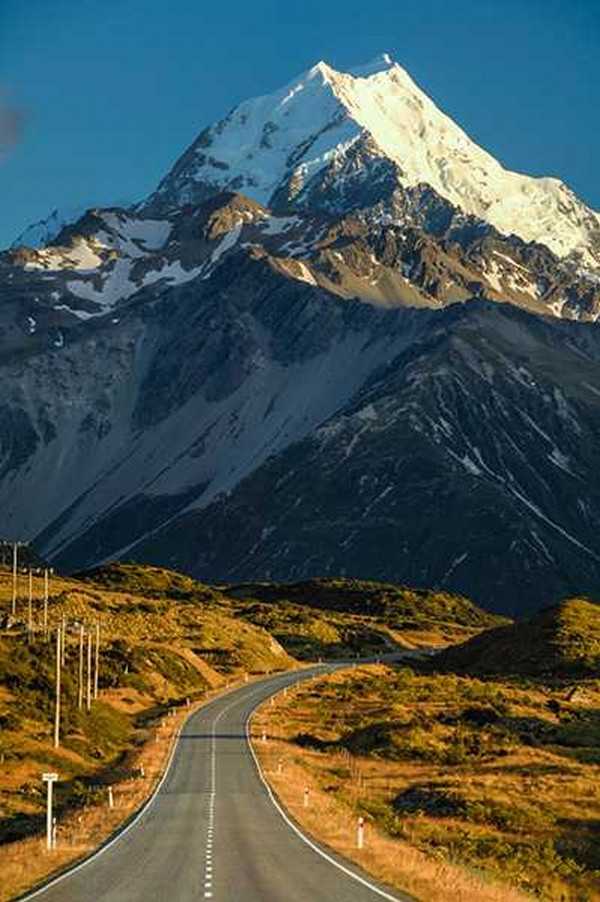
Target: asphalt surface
{"type": "Point", "coordinates": [213, 832]}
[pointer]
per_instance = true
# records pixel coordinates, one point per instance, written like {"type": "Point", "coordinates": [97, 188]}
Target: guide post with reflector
{"type": "Point", "coordinates": [360, 833]}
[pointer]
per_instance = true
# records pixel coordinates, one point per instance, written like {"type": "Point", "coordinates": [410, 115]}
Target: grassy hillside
{"type": "Point", "coordinates": [354, 613]}
{"type": "Point", "coordinates": [499, 775]}
{"type": "Point", "coordinates": [148, 581]}
{"type": "Point", "coordinates": [560, 640]}
{"type": "Point", "coordinates": [325, 618]}
{"type": "Point", "coordinates": [163, 639]}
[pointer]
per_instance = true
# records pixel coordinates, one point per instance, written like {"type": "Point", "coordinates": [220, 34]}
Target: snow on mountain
{"type": "Point", "coordinates": [317, 120]}
{"type": "Point", "coordinates": [107, 257]}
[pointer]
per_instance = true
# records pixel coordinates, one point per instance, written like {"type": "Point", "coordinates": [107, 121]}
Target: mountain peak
{"type": "Point", "coordinates": [383, 62]}
{"type": "Point", "coordinates": [326, 127]}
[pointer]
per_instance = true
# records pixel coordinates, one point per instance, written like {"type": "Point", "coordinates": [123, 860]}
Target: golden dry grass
{"type": "Point", "coordinates": [332, 821]}
{"type": "Point", "coordinates": [155, 652]}
{"type": "Point", "coordinates": [27, 863]}
{"type": "Point", "coordinates": [546, 794]}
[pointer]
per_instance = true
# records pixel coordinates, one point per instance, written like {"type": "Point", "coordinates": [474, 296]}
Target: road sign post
{"type": "Point", "coordinates": [50, 779]}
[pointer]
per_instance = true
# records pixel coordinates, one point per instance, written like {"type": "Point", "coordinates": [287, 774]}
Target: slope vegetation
{"type": "Point", "coordinates": [561, 640]}
{"type": "Point", "coordinates": [370, 615]}
{"type": "Point", "coordinates": [163, 640]}
{"type": "Point", "coordinates": [496, 775]}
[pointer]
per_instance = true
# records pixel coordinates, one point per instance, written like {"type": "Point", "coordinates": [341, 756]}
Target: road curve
{"type": "Point", "coordinates": [213, 831]}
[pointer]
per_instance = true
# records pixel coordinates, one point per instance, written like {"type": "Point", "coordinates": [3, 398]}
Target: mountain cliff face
{"type": "Point", "coordinates": [338, 338]}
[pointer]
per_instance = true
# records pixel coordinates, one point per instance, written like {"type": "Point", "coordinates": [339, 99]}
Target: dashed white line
{"type": "Point", "coordinates": [208, 865]}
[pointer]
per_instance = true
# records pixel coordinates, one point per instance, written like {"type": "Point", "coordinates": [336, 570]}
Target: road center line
{"type": "Point", "coordinates": [208, 864]}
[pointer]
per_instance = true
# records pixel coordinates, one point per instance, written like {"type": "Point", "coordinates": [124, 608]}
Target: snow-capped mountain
{"type": "Point", "coordinates": [281, 149]}
{"type": "Point", "coordinates": [339, 337]}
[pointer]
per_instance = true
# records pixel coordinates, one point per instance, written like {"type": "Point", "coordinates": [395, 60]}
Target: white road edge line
{"type": "Point", "coordinates": [299, 833]}
{"type": "Point", "coordinates": [152, 798]}
{"type": "Point", "coordinates": [142, 811]}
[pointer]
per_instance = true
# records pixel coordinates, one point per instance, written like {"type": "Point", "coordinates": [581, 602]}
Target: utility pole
{"type": "Point", "coordinates": [80, 683]}
{"type": "Point", "coordinates": [97, 660]}
{"type": "Point", "coordinates": [46, 603]}
{"type": "Point", "coordinates": [49, 779]}
{"type": "Point", "coordinates": [15, 563]}
{"type": "Point", "coordinates": [64, 637]}
{"type": "Point", "coordinates": [30, 606]}
{"type": "Point", "coordinates": [57, 705]}
{"type": "Point", "coordinates": [89, 673]}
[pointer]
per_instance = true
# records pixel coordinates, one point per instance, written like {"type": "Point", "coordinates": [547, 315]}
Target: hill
{"type": "Point", "coordinates": [148, 581]}
{"type": "Point", "coordinates": [562, 640]}
{"type": "Point", "coordinates": [367, 613]}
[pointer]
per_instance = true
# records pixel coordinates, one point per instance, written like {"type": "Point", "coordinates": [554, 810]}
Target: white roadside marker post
{"type": "Point", "coordinates": [360, 833]}
{"type": "Point", "coordinates": [111, 801]}
{"type": "Point", "coordinates": [49, 779]}
{"type": "Point", "coordinates": [264, 735]}
{"type": "Point", "coordinates": [305, 802]}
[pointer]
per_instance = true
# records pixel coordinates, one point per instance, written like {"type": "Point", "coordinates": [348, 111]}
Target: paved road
{"type": "Point", "coordinates": [212, 831]}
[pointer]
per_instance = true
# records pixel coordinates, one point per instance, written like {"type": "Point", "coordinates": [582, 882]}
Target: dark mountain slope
{"type": "Point", "coordinates": [470, 462]}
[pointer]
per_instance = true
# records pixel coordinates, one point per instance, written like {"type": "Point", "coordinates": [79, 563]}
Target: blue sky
{"type": "Point", "coordinates": [110, 93]}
